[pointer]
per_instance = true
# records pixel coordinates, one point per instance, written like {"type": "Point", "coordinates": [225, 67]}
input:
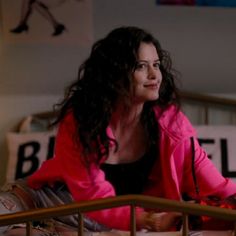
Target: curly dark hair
{"type": "Point", "coordinates": [103, 79]}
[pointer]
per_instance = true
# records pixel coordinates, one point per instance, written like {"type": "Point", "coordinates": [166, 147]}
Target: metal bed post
{"type": "Point", "coordinates": [132, 220]}
{"type": "Point", "coordinates": [80, 224]}
{"type": "Point", "coordinates": [28, 228]}
{"type": "Point", "coordinates": [185, 225]}
{"type": "Point", "coordinates": [234, 233]}
{"type": "Point", "coordinates": [206, 115]}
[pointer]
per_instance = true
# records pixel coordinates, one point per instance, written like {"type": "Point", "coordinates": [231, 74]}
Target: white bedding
{"type": "Point", "coordinates": [196, 233]}
{"type": "Point", "coordinates": [22, 232]}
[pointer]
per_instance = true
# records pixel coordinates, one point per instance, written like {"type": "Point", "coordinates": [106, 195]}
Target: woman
{"type": "Point", "coordinates": [121, 131]}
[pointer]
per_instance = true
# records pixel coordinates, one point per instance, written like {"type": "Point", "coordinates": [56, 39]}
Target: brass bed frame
{"type": "Point", "coordinates": [131, 200]}
{"type": "Point", "coordinates": [208, 102]}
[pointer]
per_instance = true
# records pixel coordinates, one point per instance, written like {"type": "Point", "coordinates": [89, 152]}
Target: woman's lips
{"type": "Point", "coordinates": [151, 86]}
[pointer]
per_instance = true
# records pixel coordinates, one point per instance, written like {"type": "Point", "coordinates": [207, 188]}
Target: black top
{"type": "Point", "coordinates": [130, 178]}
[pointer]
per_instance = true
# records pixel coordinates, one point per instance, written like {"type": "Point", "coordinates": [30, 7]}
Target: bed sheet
{"type": "Point", "coordinates": [37, 232]}
{"type": "Point", "coordinates": [193, 233]}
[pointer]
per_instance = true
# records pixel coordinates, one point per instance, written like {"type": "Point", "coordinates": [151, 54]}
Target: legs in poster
{"type": "Point", "coordinates": [27, 8]}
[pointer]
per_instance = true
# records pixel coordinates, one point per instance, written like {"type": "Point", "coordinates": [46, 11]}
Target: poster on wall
{"type": "Point", "coordinates": [47, 21]}
{"type": "Point", "coordinates": [0, 25]}
{"type": "Point", "coordinates": [216, 3]}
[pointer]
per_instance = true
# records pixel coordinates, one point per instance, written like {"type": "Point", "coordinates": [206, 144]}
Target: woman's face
{"type": "Point", "coordinates": [147, 76]}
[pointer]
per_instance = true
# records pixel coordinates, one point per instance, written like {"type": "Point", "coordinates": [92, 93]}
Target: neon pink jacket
{"type": "Point", "coordinates": [170, 177]}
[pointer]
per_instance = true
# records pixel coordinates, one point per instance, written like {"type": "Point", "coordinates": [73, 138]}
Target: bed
{"type": "Point", "coordinates": [132, 200]}
{"type": "Point", "coordinates": [24, 220]}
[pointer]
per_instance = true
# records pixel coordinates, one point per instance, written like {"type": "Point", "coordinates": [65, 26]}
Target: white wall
{"type": "Point", "coordinates": [201, 41]}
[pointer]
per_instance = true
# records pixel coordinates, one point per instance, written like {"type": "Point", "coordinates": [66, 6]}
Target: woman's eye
{"type": "Point", "coordinates": [156, 65]}
{"type": "Point", "coordinates": [141, 66]}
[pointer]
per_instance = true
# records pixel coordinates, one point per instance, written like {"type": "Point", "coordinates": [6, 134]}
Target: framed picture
{"type": "Point", "coordinates": [216, 3]}
{"type": "Point", "coordinates": [1, 31]}
{"type": "Point", "coordinates": [47, 21]}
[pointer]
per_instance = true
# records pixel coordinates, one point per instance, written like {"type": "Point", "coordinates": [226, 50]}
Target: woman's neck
{"type": "Point", "coordinates": [130, 135]}
{"type": "Point", "coordinates": [124, 118]}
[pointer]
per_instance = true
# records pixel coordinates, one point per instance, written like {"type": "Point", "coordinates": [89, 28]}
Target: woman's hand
{"type": "Point", "coordinates": [163, 221]}
{"type": "Point", "coordinates": [231, 200]}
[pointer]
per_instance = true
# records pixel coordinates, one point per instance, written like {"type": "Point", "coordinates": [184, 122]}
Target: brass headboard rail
{"type": "Point", "coordinates": [210, 99]}
{"type": "Point", "coordinates": [208, 102]}
{"type": "Point", "coordinates": [131, 200]}
{"type": "Point", "coordinates": [186, 96]}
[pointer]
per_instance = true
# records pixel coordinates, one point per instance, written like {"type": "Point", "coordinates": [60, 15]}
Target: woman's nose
{"type": "Point", "coordinates": [152, 72]}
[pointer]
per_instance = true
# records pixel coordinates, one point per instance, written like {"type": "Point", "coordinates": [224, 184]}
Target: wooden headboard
{"type": "Point", "coordinates": [206, 106]}
{"type": "Point", "coordinates": [209, 105]}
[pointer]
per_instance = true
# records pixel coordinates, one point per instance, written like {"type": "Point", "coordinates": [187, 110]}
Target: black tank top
{"type": "Point", "coordinates": [130, 178]}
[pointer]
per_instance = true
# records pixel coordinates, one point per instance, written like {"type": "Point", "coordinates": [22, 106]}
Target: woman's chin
{"type": "Point", "coordinates": [153, 98]}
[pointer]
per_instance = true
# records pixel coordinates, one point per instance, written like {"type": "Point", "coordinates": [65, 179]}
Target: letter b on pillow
{"type": "Point", "coordinates": [27, 150]}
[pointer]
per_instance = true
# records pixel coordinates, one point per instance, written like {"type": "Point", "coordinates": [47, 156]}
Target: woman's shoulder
{"type": "Point", "coordinates": [68, 120]}
{"type": "Point", "coordinates": [173, 121]}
